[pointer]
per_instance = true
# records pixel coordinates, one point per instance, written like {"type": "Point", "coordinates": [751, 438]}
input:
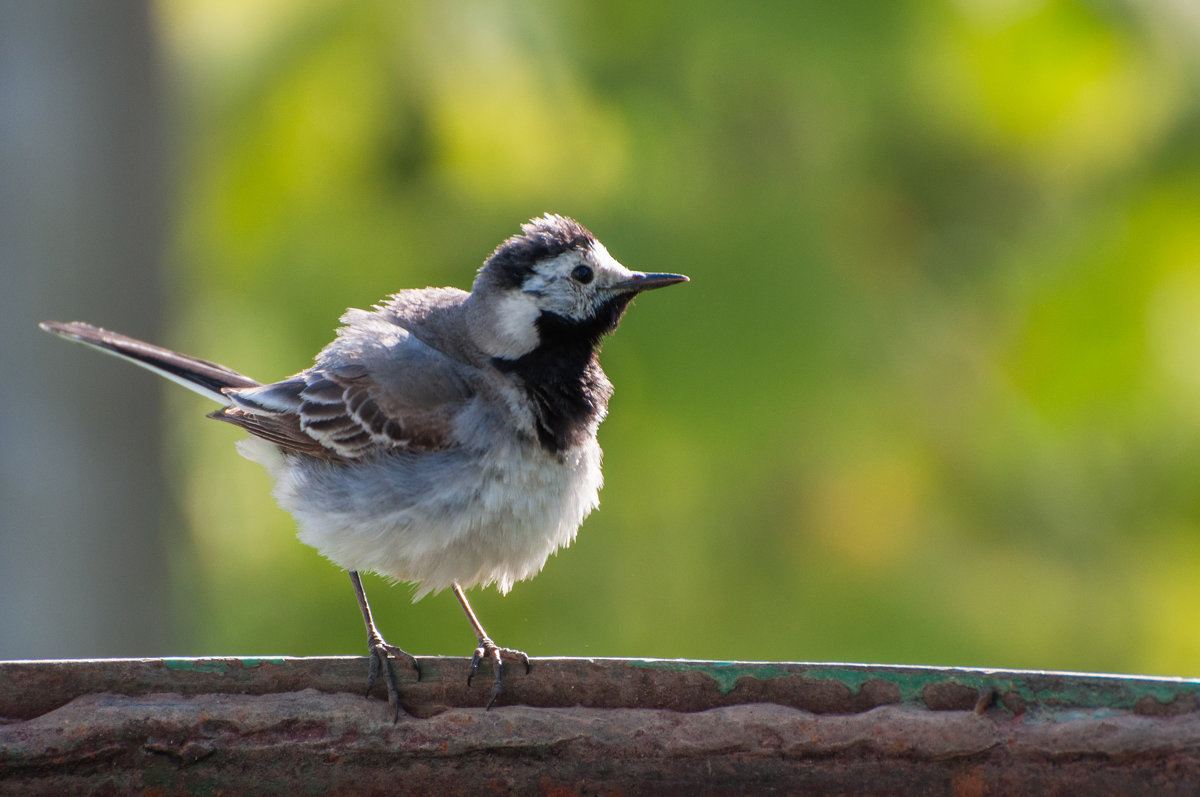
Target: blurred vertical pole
{"type": "Point", "coordinates": [83, 187]}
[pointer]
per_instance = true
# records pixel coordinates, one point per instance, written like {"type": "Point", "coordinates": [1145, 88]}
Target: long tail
{"type": "Point", "coordinates": [203, 377]}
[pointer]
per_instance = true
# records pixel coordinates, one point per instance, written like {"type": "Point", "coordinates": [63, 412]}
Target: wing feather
{"type": "Point", "coordinates": [365, 395]}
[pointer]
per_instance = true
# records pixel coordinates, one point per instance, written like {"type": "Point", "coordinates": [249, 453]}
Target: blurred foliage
{"type": "Point", "coordinates": [932, 396]}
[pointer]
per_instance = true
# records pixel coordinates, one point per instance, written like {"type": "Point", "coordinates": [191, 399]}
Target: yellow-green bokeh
{"type": "Point", "coordinates": [932, 396]}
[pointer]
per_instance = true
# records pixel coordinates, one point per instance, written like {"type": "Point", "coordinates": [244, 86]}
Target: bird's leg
{"type": "Point", "coordinates": [380, 650]}
{"type": "Point", "coordinates": [487, 649]}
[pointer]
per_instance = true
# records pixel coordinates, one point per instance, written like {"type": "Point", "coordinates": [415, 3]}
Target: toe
{"type": "Point", "coordinates": [380, 655]}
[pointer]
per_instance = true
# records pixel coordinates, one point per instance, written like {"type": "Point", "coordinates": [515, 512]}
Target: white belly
{"type": "Point", "coordinates": [439, 518]}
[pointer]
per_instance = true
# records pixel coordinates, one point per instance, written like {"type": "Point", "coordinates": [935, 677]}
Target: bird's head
{"type": "Point", "coordinates": [554, 283]}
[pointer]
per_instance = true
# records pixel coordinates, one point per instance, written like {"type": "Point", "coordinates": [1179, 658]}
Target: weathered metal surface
{"type": "Point", "coordinates": [30, 688]}
{"type": "Point", "coordinates": [587, 726]}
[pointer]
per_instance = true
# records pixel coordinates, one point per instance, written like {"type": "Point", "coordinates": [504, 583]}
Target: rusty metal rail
{"type": "Point", "coordinates": [587, 726]}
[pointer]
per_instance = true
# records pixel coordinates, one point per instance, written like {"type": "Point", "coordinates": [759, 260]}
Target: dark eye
{"type": "Point", "coordinates": [582, 274]}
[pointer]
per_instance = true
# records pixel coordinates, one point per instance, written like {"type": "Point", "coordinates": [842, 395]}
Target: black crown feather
{"type": "Point", "coordinates": [541, 238]}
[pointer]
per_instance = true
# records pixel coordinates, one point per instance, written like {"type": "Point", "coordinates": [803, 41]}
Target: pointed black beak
{"type": "Point", "coordinates": [643, 282]}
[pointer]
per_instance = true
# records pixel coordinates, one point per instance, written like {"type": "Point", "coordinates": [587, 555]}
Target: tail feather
{"type": "Point", "coordinates": [207, 379]}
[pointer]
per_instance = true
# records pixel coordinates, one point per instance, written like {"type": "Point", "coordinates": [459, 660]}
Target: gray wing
{"type": "Point", "coordinates": [376, 387]}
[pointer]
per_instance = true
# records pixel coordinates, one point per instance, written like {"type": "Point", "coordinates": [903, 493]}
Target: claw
{"type": "Point", "coordinates": [381, 654]}
{"type": "Point", "coordinates": [487, 648]}
{"type": "Point", "coordinates": [490, 650]}
{"type": "Point", "coordinates": [379, 651]}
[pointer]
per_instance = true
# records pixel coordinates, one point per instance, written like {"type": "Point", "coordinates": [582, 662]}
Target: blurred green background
{"type": "Point", "coordinates": [932, 396]}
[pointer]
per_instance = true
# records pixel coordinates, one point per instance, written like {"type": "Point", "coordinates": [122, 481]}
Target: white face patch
{"type": "Point", "coordinates": [556, 291]}
{"type": "Point", "coordinates": [513, 317]}
{"type": "Point", "coordinates": [547, 272]}
{"type": "Point", "coordinates": [608, 271]}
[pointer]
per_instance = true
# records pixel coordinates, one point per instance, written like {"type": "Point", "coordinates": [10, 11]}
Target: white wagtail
{"type": "Point", "coordinates": [443, 438]}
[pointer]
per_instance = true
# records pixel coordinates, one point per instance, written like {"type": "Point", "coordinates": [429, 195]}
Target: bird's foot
{"type": "Point", "coordinates": [490, 650]}
{"type": "Point", "coordinates": [381, 654]}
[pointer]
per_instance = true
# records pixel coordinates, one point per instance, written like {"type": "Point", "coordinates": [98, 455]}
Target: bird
{"type": "Point", "coordinates": [445, 438]}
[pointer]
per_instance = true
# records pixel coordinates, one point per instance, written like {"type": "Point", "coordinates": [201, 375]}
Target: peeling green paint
{"type": "Point", "coordinates": [909, 684]}
{"type": "Point", "coordinates": [218, 666]}
{"type": "Point", "coordinates": [1105, 691]}
{"type": "Point", "coordinates": [1062, 689]}
{"type": "Point", "coordinates": [197, 665]}
{"type": "Point", "coordinates": [1050, 689]}
{"type": "Point", "coordinates": [725, 673]}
